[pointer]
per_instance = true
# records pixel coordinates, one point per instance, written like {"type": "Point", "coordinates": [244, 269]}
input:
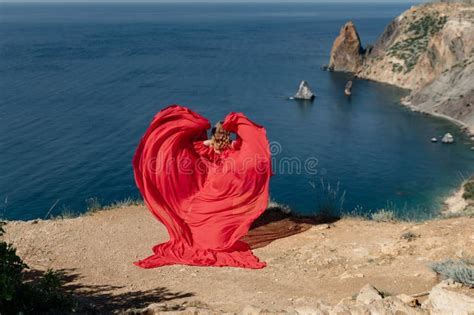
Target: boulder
{"type": "Point", "coordinates": [448, 138]}
{"type": "Point", "coordinates": [390, 305]}
{"type": "Point", "coordinates": [393, 305]}
{"type": "Point", "coordinates": [368, 294]}
{"type": "Point", "coordinates": [450, 298]}
{"type": "Point", "coordinates": [409, 300]}
{"type": "Point", "coordinates": [304, 92]}
{"type": "Point", "coordinates": [347, 53]}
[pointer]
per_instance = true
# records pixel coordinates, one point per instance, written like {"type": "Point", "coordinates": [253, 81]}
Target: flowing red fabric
{"type": "Point", "coordinates": [206, 200]}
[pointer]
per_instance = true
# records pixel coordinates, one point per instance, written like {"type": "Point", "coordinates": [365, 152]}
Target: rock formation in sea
{"type": "Point", "coordinates": [304, 92]}
{"type": "Point", "coordinates": [448, 138]}
{"type": "Point", "coordinates": [348, 89]}
{"type": "Point", "coordinates": [428, 49]}
{"type": "Point", "coordinates": [347, 52]}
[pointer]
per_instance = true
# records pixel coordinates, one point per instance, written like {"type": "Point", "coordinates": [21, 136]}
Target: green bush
{"type": "Point", "coordinates": [469, 190]}
{"type": "Point", "coordinates": [42, 295]}
{"type": "Point", "coordinates": [420, 31]}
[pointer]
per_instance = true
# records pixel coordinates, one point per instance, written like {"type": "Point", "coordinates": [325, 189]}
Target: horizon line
{"type": "Point", "coordinates": [213, 2]}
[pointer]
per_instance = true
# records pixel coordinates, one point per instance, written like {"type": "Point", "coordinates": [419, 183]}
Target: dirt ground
{"type": "Point", "coordinates": [326, 261]}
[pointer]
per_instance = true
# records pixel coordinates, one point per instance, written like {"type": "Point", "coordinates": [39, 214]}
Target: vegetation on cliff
{"type": "Point", "coordinates": [22, 294]}
{"type": "Point", "coordinates": [427, 49]}
{"type": "Point", "coordinates": [469, 190]}
{"type": "Point", "coordinates": [410, 49]}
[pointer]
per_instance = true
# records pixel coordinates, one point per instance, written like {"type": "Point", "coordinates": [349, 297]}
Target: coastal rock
{"type": "Point", "coordinates": [428, 49]}
{"type": "Point", "coordinates": [420, 44]}
{"type": "Point", "coordinates": [348, 89]}
{"type": "Point", "coordinates": [447, 138]}
{"type": "Point", "coordinates": [450, 95]}
{"type": "Point", "coordinates": [347, 52]}
{"type": "Point", "coordinates": [450, 298]}
{"type": "Point", "coordinates": [304, 92]}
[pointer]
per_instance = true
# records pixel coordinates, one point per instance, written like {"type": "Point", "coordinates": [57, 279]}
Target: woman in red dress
{"type": "Point", "coordinates": [207, 192]}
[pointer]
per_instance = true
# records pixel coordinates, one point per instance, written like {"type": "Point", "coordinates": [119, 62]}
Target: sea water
{"type": "Point", "coordinates": [80, 83]}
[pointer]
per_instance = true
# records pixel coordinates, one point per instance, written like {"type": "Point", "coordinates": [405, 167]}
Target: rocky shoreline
{"type": "Point", "coordinates": [428, 49]}
{"type": "Point", "coordinates": [459, 203]}
{"type": "Point", "coordinates": [468, 129]}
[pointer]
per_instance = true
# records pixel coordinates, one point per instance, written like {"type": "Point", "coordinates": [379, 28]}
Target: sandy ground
{"type": "Point", "coordinates": [324, 262]}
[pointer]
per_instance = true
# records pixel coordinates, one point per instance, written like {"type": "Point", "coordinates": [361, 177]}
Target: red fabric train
{"type": "Point", "coordinates": [207, 201]}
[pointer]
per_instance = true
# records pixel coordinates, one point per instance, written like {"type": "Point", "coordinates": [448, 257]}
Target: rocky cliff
{"type": "Point", "coordinates": [347, 51]}
{"type": "Point", "coordinates": [451, 94]}
{"type": "Point", "coordinates": [427, 49]}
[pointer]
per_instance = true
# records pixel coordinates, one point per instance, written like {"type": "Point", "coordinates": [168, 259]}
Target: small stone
{"type": "Point", "coordinates": [321, 227]}
{"type": "Point", "coordinates": [409, 300]}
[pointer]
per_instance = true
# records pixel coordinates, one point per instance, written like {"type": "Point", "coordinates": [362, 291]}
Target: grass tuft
{"type": "Point", "coordinates": [93, 205]}
{"type": "Point", "coordinates": [273, 205]}
{"type": "Point", "coordinates": [383, 215]}
{"type": "Point", "coordinates": [457, 270]}
{"type": "Point", "coordinates": [329, 199]}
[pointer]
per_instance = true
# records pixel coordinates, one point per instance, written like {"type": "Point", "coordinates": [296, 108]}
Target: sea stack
{"type": "Point", "coordinates": [348, 89]}
{"type": "Point", "coordinates": [347, 52]}
{"type": "Point", "coordinates": [304, 92]}
{"type": "Point", "coordinates": [448, 138]}
{"type": "Point", "coordinates": [428, 49]}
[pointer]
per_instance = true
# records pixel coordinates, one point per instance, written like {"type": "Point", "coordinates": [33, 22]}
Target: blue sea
{"type": "Point", "coordinates": [80, 83]}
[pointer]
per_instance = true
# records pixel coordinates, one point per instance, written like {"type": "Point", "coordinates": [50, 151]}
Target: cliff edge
{"type": "Point", "coordinates": [427, 49]}
{"type": "Point", "coordinates": [317, 266]}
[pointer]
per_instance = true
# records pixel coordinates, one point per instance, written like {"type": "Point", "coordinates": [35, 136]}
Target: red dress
{"type": "Point", "coordinates": [206, 200]}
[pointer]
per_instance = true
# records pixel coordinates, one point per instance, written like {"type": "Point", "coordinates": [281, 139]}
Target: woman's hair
{"type": "Point", "coordinates": [220, 138]}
